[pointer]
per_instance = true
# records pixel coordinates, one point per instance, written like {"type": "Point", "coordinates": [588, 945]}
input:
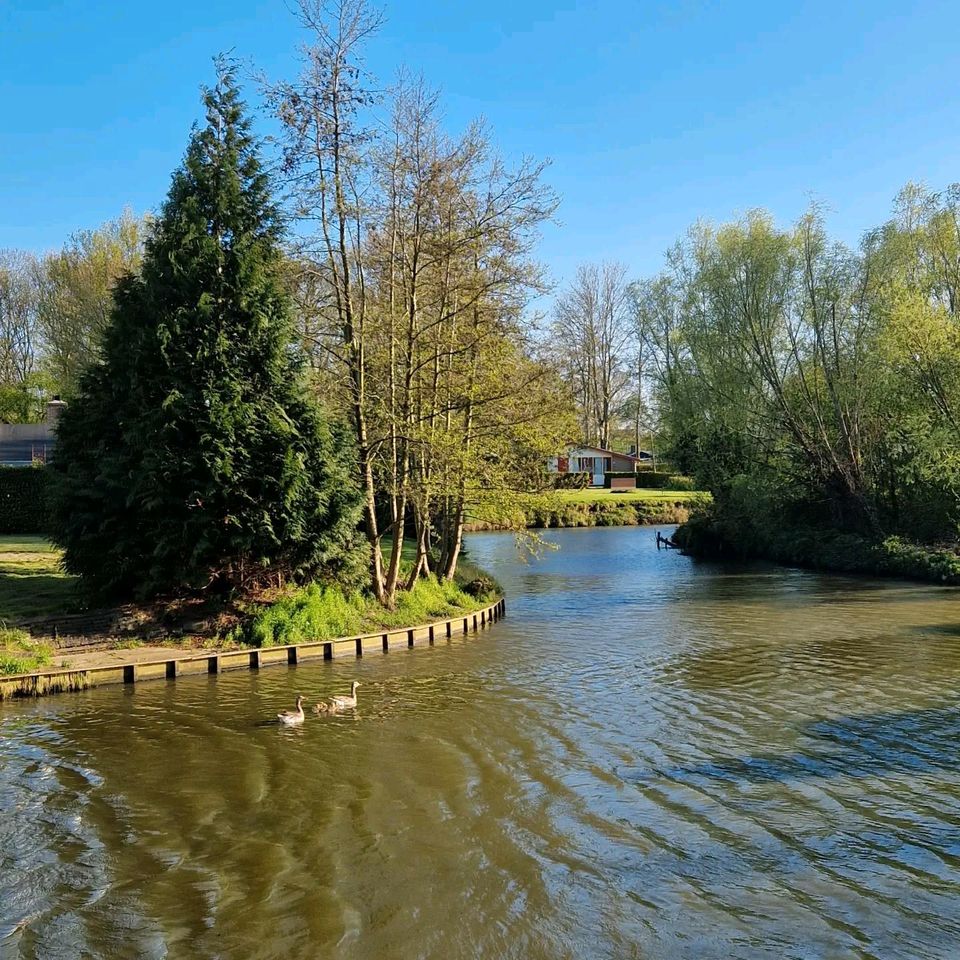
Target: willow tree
{"type": "Point", "coordinates": [192, 457]}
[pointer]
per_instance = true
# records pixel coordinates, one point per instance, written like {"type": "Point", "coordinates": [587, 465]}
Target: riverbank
{"type": "Point", "coordinates": [48, 627]}
{"type": "Point", "coordinates": [129, 666]}
{"type": "Point", "coordinates": [589, 508]}
{"type": "Point", "coordinates": [707, 535]}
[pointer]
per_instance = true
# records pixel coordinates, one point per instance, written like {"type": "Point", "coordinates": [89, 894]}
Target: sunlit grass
{"type": "Point", "coordinates": [319, 612]}
{"type": "Point", "coordinates": [32, 584]}
{"type": "Point", "coordinates": [20, 653]}
{"type": "Point", "coordinates": [629, 496]}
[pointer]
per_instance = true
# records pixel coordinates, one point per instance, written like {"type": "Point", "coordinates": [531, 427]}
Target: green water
{"type": "Point", "coordinates": [647, 758]}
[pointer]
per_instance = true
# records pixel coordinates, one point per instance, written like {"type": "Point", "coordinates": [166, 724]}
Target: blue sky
{"type": "Point", "coordinates": [653, 114]}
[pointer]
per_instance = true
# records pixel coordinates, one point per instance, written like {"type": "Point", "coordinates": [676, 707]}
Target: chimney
{"type": "Point", "coordinates": [54, 409]}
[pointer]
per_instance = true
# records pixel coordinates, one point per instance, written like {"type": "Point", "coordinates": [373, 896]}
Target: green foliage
{"type": "Point", "coordinates": [20, 653]}
{"type": "Point", "coordinates": [311, 613]}
{"type": "Point", "coordinates": [815, 389]}
{"type": "Point", "coordinates": [75, 295]}
{"type": "Point", "coordinates": [713, 535]}
{"type": "Point", "coordinates": [656, 480]}
{"type": "Point", "coordinates": [193, 457]}
{"type": "Point", "coordinates": [23, 500]}
{"type": "Point", "coordinates": [571, 481]}
{"type": "Point", "coordinates": [316, 612]}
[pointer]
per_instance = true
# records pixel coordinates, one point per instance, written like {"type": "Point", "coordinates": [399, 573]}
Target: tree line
{"type": "Point", "coordinates": [807, 384]}
{"type": "Point", "coordinates": [812, 385]}
{"type": "Point", "coordinates": [54, 309]}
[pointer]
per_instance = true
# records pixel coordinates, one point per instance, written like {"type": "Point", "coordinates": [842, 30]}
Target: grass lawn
{"type": "Point", "coordinates": [31, 581]}
{"type": "Point", "coordinates": [629, 496]}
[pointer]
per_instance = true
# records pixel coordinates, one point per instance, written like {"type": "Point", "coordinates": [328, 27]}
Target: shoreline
{"type": "Point", "coordinates": [892, 558]}
{"type": "Point", "coordinates": [598, 513]}
{"type": "Point", "coordinates": [134, 665]}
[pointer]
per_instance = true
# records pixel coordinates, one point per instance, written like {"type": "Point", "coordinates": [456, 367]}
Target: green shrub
{"type": "Point", "coordinates": [658, 480]}
{"type": "Point", "coordinates": [571, 481]}
{"type": "Point", "coordinates": [23, 500]}
{"type": "Point", "coordinates": [713, 534]}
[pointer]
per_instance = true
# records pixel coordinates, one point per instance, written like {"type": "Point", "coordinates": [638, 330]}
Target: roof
{"type": "Point", "coordinates": [609, 453]}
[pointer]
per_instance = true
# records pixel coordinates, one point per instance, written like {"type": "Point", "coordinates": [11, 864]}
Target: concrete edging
{"type": "Point", "coordinates": [56, 681]}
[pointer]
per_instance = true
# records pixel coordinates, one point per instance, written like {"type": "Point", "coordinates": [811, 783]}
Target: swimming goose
{"type": "Point", "coordinates": [290, 717]}
{"type": "Point", "coordinates": [339, 703]}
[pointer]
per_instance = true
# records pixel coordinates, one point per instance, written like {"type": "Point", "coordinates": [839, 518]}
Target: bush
{"type": "Point", "coordinates": [712, 534]}
{"type": "Point", "coordinates": [23, 500]}
{"type": "Point", "coordinates": [658, 480]}
{"type": "Point", "coordinates": [571, 481]}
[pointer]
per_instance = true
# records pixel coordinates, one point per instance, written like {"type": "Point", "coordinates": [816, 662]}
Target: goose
{"type": "Point", "coordinates": [339, 703]}
{"type": "Point", "coordinates": [291, 717]}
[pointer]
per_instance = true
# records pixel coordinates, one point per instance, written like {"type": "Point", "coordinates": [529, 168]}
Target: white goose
{"type": "Point", "coordinates": [291, 717]}
{"type": "Point", "coordinates": [335, 704]}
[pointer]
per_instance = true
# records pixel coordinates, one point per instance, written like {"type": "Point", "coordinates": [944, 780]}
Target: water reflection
{"type": "Point", "coordinates": [647, 758]}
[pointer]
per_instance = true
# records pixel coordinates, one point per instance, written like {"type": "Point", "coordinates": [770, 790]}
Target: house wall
{"type": "Point", "coordinates": [22, 443]}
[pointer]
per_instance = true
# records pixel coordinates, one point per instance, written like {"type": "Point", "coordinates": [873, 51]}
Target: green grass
{"type": "Point", "coordinates": [629, 496]}
{"type": "Point", "coordinates": [317, 612]}
{"type": "Point", "coordinates": [31, 581]}
{"type": "Point", "coordinates": [20, 653]}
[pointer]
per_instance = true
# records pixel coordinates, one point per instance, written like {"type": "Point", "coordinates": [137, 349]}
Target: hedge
{"type": "Point", "coordinates": [23, 500]}
{"type": "Point", "coordinates": [659, 480]}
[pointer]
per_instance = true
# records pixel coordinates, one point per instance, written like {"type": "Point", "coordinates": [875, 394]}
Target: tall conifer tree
{"type": "Point", "coordinates": [193, 457]}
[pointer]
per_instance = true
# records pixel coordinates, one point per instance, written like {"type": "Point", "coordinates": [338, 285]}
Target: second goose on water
{"type": "Point", "coordinates": [339, 703]}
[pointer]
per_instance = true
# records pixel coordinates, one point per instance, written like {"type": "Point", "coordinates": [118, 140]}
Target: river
{"type": "Point", "coordinates": [648, 757]}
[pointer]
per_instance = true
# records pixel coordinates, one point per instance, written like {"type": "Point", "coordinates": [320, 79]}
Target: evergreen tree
{"type": "Point", "coordinates": [193, 457]}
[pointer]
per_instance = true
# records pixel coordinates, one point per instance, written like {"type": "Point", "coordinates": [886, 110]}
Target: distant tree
{"type": "Point", "coordinates": [595, 345]}
{"type": "Point", "coordinates": [21, 381]}
{"type": "Point", "coordinates": [75, 294]}
{"type": "Point", "coordinates": [192, 457]}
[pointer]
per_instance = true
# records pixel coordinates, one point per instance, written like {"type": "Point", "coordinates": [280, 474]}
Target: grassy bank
{"type": "Point", "coordinates": [589, 508]}
{"type": "Point", "coordinates": [316, 612]}
{"type": "Point", "coordinates": [33, 585]}
{"type": "Point", "coordinates": [709, 535]}
{"type": "Point", "coordinates": [31, 581]}
{"type": "Point", "coordinates": [20, 653]}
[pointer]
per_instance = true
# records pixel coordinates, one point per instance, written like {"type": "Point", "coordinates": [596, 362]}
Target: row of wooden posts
{"type": "Point", "coordinates": [213, 663]}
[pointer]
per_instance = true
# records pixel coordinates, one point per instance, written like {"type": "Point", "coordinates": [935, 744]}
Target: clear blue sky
{"type": "Point", "coordinates": [653, 113]}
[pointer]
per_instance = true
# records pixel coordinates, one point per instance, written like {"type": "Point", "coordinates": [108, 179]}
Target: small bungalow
{"type": "Point", "coordinates": [23, 444]}
{"type": "Point", "coordinates": [596, 462]}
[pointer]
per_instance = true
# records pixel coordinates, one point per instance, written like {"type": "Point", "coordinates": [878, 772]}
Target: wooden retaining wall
{"type": "Point", "coordinates": [217, 661]}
